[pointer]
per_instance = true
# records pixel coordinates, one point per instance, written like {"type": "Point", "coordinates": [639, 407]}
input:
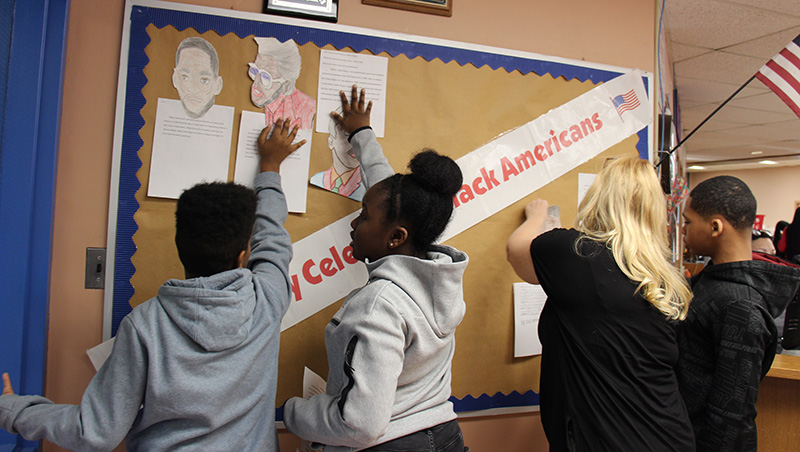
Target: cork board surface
{"type": "Point", "coordinates": [445, 106]}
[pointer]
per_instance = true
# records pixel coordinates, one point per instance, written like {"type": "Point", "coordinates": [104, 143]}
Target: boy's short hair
{"type": "Point", "coordinates": [213, 224]}
{"type": "Point", "coordinates": [727, 196]}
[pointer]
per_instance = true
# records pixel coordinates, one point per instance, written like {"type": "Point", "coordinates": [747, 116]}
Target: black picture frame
{"type": "Point", "coordinates": [324, 10]}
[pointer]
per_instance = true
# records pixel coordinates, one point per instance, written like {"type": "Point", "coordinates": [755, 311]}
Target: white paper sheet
{"type": "Point", "coordinates": [338, 71]}
{"type": "Point", "coordinates": [294, 170]}
{"type": "Point", "coordinates": [528, 303]}
{"type": "Point", "coordinates": [187, 151]}
{"type": "Point", "coordinates": [584, 182]}
{"type": "Point", "coordinates": [100, 353]}
{"type": "Point", "coordinates": [313, 384]}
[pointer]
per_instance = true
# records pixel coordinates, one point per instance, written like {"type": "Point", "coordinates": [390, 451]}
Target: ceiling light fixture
{"type": "Point", "coordinates": [696, 167]}
{"type": "Point", "coordinates": [768, 162]}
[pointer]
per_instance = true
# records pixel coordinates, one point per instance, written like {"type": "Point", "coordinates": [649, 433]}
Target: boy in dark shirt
{"type": "Point", "coordinates": [728, 340]}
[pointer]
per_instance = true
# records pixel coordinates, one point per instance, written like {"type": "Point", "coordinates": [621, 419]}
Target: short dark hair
{"type": "Point", "coordinates": [727, 196]}
{"type": "Point", "coordinates": [424, 197]}
{"type": "Point", "coordinates": [213, 224]}
{"type": "Point", "coordinates": [201, 44]}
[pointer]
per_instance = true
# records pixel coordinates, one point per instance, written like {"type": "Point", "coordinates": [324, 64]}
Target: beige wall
{"type": "Point", "coordinates": [777, 190]}
{"type": "Point", "coordinates": [578, 29]}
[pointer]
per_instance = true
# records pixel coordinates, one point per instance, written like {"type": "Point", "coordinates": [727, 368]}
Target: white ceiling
{"type": "Point", "coordinates": [715, 47]}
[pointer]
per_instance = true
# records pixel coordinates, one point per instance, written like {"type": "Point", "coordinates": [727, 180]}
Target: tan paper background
{"type": "Point", "coordinates": [451, 108]}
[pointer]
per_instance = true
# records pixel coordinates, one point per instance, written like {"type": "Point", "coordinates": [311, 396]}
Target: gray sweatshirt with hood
{"type": "Point", "coordinates": [194, 368]}
{"type": "Point", "coordinates": [389, 347]}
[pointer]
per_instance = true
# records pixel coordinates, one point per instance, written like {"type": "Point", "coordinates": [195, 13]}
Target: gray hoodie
{"type": "Point", "coordinates": [389, 347]}
{"type": "Point", "coordinates": [194, 368]}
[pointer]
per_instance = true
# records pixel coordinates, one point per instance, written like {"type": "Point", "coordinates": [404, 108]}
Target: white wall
{"type": "Point", "coordinates": [777, 190]}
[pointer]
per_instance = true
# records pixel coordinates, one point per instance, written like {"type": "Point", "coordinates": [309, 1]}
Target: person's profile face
{"type": "Point", "coordinates": [267, 82]}
{"type": "Point", "coordinates": [195, 81]}
{"type": "Point", "coordinates": [341, 149]}
{"type": "Point", "coordinates": [696, 231]}
{"type": "Point", "coordinates": [370, 231]}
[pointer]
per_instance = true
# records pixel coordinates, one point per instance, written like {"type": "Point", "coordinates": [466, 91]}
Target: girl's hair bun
{"type": "Point", "coordinates": [436, 172]}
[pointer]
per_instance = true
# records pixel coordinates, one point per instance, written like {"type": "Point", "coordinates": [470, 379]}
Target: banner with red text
{"type": "Point", "coordinates": [496, 175]}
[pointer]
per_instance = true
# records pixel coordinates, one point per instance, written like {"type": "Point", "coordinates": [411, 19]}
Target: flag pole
{"type": "Point", "coordinates": [683, 140]}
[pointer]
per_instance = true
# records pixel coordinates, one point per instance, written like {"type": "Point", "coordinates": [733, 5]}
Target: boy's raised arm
{"type": "Point", "coordinates": [271, 245]}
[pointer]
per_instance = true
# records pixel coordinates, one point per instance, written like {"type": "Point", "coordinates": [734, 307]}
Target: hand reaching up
{"type": "Point", "coordinates": [355, 113]}
{"type": "Point", "coordinates": [274, 148]}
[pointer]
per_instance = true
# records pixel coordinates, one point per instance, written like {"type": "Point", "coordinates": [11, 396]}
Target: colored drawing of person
{"type": "Point", "coordinates": [274, 73]}
{"type": "Point", "coordinates": [196, 75]}
{"type": "Point", "coordinates": [344, 175]}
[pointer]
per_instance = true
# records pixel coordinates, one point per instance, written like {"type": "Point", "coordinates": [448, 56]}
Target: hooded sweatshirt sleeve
{"type": "Point", "coordinates": [374, 166]}
{"type": "Point", "coordinates": [271, 246]}
{"type": "Point", "coordinates": [373, 358]}
{"type": "Point", "coordinates": [107, 410]}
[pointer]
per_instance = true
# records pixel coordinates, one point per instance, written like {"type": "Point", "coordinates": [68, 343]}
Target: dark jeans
{"type": "Point", "coordinates": [444, 437]}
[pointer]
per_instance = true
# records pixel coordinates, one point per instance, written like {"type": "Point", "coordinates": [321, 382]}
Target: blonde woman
{"type": "Point", "coordinates": [607, 328]}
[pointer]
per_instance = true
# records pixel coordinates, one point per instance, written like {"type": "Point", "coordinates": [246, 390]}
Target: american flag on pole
{"type": "Point", "coordinates": [625, 102]}
{"type": "Point", "coordinates": [782, 75]}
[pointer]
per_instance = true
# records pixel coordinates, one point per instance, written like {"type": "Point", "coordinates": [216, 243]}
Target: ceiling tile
{"type": "Point", "coordinates": [720, 66]}
{"type": "Point", "coordinates": [791, 7]}
{"type": "Point", "coordinates": [767, 46]}
{"type": "Point", "coordinates": [690, 89]}
{"type": "Point", "coordinates": [717, 24]}
{"type": "Point", "coordinates": [760, 134]}
{"type": "Point", "coordinates": [680, 52]}
{"type": "Point", "coordinates": [768, 101]}
{"type": "Point", "coordinates": [791, 124]}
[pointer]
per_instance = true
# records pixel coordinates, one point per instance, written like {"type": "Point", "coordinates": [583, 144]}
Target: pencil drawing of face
{"type": "Point", "coordinates": [274, 71]}
{"type": "Point", "coordinates": [344, 159]}
{"type": "Point", "coordinates": [196, 75]}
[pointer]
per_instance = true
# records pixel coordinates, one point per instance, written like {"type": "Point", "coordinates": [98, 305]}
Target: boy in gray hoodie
{"type": "Point", "coordinates": [194, 368]}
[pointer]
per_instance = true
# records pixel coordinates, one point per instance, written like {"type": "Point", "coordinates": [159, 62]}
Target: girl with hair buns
{"type": "Point", "coordinates": [391, 344]}
{"type": "Point", "coordinates": [608, 325]}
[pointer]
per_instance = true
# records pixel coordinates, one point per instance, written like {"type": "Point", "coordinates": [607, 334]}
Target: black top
{"type": "Point", "coordinates": [608, 355]}
{"type": "Point", "coordinates": [727, 345]}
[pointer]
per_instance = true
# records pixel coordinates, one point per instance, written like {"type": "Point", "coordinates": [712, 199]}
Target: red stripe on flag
{"type": "Point", "coordinates": [789, 55]}
{"type": "Point", "coordinates": [784, 74]}
{"type": "Point", "coordinates": [788, 100]}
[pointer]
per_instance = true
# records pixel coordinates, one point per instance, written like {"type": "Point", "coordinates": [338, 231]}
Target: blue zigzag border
{"type": "Point", "coordinates": [130, 163]}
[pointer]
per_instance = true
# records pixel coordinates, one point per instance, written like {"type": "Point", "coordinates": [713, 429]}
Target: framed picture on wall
{"type": "Point", "coordinates": [440, 7]}
{"type": "Point", "coordinates": [327, 10]}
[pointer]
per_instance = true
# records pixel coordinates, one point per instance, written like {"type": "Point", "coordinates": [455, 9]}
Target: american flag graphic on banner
{"type": "Point", "coordinates": [782, 75]}
{"type": "Point", "coordinates": [625, 102]}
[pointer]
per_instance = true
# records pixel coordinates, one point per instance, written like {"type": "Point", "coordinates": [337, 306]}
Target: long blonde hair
{"type": "Point", "coordinates": [625, 209]}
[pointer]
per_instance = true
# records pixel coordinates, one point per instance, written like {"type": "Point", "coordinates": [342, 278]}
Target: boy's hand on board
{"type": "Point", "coordinates": [355, 113]}
{"type": "Point", "coordinates": [274, 148]}
{"type": "Point", "coordinates": [7, 389]}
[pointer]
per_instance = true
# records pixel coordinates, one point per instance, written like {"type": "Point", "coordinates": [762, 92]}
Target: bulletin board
{"type": "Point", "coordinates": [444, 95]}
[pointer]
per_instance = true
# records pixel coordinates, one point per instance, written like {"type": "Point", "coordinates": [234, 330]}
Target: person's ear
{"type": "Point", "coordinates": [398, 238]}
{"type": "Point", "coordinates": [175, 78]}
{"type": "Point", "coordinates": [218, 86]}
{"type": "Point", "coordinates": [717, 226]}
{"type": "Point", "coordinates": [241, 259]}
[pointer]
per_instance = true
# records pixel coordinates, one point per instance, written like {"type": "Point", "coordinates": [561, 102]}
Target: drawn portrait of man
{"type": "Point", "coordinates": [196, 76]}
{"type": "Point", "coordinates": [344, 175]}
{"type": "Point", "coordinates": [274, 73]}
